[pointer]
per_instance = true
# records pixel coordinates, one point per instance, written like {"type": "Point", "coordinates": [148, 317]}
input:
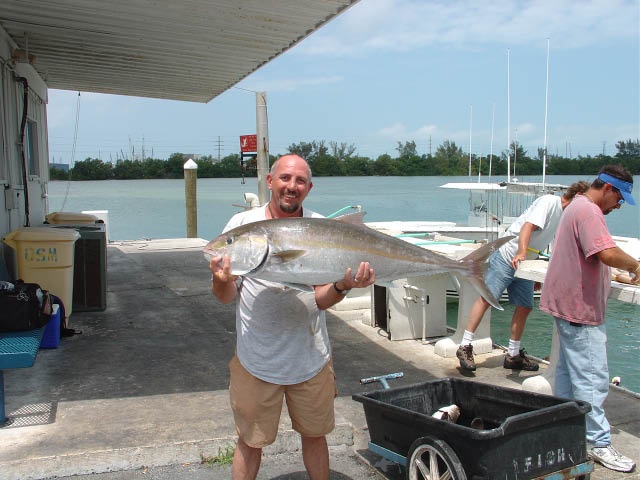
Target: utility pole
{"type": "Point", "coordinates": [219, 145]}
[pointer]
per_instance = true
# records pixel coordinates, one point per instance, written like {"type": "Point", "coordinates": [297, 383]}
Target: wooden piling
{"type": "Point", "coordinates": [190, 181]}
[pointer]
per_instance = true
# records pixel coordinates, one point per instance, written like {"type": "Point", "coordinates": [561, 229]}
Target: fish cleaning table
{"type": "Point", "coordinates": [536, 270]}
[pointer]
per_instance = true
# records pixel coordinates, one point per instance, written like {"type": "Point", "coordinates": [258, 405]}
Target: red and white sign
{"type": "Point", "coordinates": [248, 143]}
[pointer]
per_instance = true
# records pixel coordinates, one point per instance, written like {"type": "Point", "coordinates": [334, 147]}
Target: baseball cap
{"type": "Point", "coordinates": [624, 187]}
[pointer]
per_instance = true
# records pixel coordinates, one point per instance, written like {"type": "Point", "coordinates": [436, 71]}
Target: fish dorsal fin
{"type": "Point", "coordinates": [300, 287]}
{"type": "Point", "coordinates": [355, 218]}
{"type": "Point", "coordinates": [481, 254]}
{"type": "Point", "coordinates": [287, 255]}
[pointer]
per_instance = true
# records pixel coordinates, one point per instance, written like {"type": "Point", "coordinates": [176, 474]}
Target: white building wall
{"type": "Point", "coordinates": [13, 208]}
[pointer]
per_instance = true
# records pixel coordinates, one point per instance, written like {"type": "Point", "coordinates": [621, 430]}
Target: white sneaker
{"type": "Point", "coordinates": [611, 458]}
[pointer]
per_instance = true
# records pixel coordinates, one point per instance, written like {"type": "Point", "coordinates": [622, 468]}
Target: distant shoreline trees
{"type": "Point", "coordinates": [335, 159]}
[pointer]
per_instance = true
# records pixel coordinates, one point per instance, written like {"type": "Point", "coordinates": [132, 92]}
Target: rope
{"type": "Point", "coordinates": [73, 153]}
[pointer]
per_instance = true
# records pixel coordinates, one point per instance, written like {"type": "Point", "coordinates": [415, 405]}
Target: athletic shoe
{"type": "Point", "coordinates": [611, 458]}
{"type": "Point", "coordinates": [465, 355]}
{"type": "Point", "coordinates": [520, 362]}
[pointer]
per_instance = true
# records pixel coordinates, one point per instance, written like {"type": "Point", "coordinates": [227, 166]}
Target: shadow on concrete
{"type": "Point", "coordinates": [162, 333]}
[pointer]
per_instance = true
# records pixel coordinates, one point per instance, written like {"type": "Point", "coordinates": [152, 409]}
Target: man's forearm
{"type": "Point", "coordinates": [225, 291]}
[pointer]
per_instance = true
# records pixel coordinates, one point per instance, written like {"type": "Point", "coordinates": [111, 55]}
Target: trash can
{"type": "Point", "coordinates": [45, 256]}
{"type": "Point", "coordinates": [70, 218]}
{"type": "Point", "coordinates": [103, 217]}
{"type": "Point", "coordinates": [90, 267]}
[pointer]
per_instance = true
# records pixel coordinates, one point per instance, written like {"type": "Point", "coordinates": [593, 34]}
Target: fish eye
{"type": "Point", "coordinates": [229, 240]}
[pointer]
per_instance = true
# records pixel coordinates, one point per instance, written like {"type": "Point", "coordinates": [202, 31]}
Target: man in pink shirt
{"type": "Point", "coordinates": [575, 293]}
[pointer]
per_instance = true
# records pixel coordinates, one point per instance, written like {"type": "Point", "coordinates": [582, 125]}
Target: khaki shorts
{"type": "Point", "coordinates": [257, 405]}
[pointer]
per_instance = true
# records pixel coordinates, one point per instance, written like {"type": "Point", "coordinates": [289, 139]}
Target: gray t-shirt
{"type": "Point", "coordinates": [282, 335]}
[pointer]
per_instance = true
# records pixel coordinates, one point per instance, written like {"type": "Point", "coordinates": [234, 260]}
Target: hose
{"type": "Point", "coordinates": [23, 126]}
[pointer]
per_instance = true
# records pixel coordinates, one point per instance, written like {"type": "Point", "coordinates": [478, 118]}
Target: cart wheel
{"type": "Point", "coordinates": [431, 459]}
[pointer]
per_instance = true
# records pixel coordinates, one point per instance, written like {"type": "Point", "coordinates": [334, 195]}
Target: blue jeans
{"type": "Point", "coordinates": [500, 276]}
{"type": "Point", "coordinates": [582, 373]}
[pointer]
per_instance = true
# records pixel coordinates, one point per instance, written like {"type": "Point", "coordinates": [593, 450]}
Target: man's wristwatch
{"type": "Point", "coordinates": [341, 292]}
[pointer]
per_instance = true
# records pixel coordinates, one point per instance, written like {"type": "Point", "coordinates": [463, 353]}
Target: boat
{"type": "Point", "coordinates": [492, 208]}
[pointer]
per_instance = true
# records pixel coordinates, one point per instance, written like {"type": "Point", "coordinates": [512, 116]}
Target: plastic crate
{"type": "Point", "coordinates": [51, 336]}
{"type": "Point", "coordinates": [525, 434]}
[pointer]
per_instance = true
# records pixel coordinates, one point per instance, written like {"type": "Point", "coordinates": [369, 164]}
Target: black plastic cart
{"type": "Point", "coordinates": [516, 435]}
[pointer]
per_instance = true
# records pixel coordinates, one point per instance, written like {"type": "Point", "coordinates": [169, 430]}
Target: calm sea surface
{"type": "Point", "coordinates": [156, 209]}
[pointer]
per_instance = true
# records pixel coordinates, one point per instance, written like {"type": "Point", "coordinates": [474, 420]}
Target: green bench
{"type": "Point", "coordinates": [17, 350]}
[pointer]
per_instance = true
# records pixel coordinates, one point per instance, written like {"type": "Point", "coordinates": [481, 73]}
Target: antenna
{"type": "Point", "coordinates": [515, 151]}
{"type": "Point", "coordinates": [508, 117]}
{"type": "Point", "coordinates": [546, 103]}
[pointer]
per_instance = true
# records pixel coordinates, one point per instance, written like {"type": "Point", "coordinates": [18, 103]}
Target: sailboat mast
{"type": "Point", "coordinates": [493, 121]}
{"type": "Point", "coordinates": [470, 124]}
{"type": "Point", "coordinates": [508, 117]}
{"type": "Point", "coordinates": [546, 104]}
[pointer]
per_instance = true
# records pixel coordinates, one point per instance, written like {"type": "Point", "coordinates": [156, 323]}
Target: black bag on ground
{"type": "Point", "coordinates": [23, 306]}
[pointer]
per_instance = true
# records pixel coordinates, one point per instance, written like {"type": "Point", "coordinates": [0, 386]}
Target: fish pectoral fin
{"type": "Point", "coordinates": [287, 255]}
{"type": "Point", "coordinates": [300, 286]}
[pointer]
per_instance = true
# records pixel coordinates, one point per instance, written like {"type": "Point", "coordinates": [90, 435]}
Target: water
{"type": "Point", "coordinates": [156, 209]}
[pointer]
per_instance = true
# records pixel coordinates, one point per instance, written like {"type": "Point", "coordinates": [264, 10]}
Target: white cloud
{"type": "Point", "coordinates": [402, 25]}
{"type": "Point", "coordinates": [524, 129]}
{"type": "Point", "coordinates": [397, 130]}
{"type": "Point", "coordinates": [426, 130]}
{"type": "Point", "coordinates": [400, 133]}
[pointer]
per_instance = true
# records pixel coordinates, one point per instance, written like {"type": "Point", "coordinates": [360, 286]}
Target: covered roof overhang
{"type": "Point", "coordinates": [190, 50]}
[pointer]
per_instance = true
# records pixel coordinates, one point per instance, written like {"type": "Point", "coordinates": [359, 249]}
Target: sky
{"type": "Point", "coordinates": [389, 71]}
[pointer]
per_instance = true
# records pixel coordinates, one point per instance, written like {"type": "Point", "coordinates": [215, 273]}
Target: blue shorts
{"type": "Point", "coordinates": [500, 277]}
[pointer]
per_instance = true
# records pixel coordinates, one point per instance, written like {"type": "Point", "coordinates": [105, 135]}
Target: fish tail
{"type": "Point", "coordinates": [477, 266]}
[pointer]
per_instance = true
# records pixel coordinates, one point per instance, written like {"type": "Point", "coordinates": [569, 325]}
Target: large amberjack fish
{"type": "Point", "coordinates": [315, 251]}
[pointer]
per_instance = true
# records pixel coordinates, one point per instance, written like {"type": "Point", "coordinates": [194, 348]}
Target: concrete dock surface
{"type": "Point", "coordinates": [141, 390]}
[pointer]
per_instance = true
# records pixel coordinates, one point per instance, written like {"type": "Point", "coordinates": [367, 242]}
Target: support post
{"type": "Point", "coordinates": [262, 134]}
{"type": "Point", "coordinates": [3, 417]}
{"type": "Point", "coordinates": [190, 180]}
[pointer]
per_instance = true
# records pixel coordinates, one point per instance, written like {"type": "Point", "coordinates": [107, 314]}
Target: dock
{"type": "Point", "coordinates": [142, 386]}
